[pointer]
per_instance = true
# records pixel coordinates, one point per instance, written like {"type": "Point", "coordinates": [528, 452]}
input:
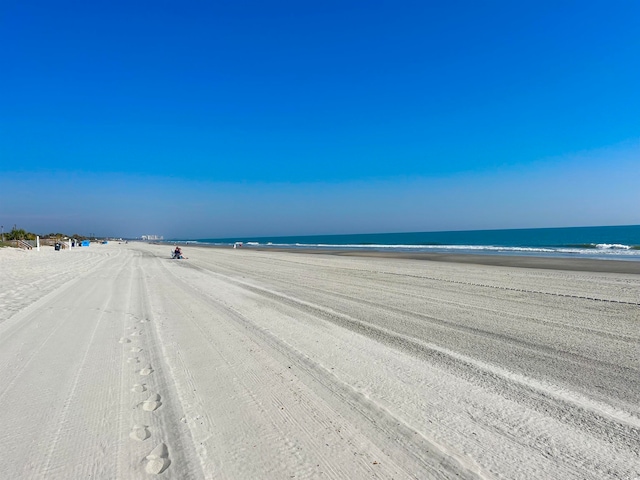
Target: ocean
{"type": "Point", "coordinates": [613, 242]}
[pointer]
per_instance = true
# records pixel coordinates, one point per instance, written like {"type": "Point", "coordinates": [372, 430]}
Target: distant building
{"type": "Point", "coordinates": [152, 237]}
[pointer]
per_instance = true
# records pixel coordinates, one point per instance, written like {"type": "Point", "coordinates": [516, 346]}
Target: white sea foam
{"type": "Point", "coordinates": [593, 250]}
{"type": "Point", "coordinates": [600, 250]}
{"type": "Point", "coordinates": [612, 246]}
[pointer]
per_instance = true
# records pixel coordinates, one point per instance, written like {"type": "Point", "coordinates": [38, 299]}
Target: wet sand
{"type": "Point", "coordinates": [555, 263]}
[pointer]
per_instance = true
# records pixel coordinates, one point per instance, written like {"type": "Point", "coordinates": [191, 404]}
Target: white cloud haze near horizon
{"type": "Point", "coordinates": [588, 188]}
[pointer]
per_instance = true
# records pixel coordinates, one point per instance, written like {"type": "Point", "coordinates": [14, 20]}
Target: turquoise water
{"type": "Point", "coordinates": [618, 242]}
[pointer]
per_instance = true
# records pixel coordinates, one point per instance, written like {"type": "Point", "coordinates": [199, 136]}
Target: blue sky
{"type": "Point", "coordinates": [220, 119]}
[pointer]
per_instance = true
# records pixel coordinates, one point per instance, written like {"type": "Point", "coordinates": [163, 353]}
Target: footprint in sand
{"type": "Point", "coordinates": [133, 360]}
{"type": "Point", "coordinates": [135, 350]}
{"type": "Point", "coordinates": [152, 403]}
{"type": "Point", "coordinates": [146, 371]}
{"type": "Point", "coordinates": [140, 433]}
{"type": "Point", "coordinates": [158, 460]}
{"type": "Point", "coordinates": [124, 340]}
{"type": "Point", "coordinates": [135, 334]}
{"type": "Point", "coordinates": [139, 388]}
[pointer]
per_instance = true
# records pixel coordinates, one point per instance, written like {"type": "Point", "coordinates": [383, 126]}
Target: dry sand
{"type": "Point", "coordinates": [119, 363]}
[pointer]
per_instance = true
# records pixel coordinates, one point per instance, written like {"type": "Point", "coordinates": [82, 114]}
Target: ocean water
{"type": "Point", "coordinates": [617, 242]}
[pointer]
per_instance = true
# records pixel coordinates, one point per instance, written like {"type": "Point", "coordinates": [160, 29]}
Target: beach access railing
{"type": "Point", "coordinates": [51, 242]}
{"type": "Point", "coordinates": [23, 244]}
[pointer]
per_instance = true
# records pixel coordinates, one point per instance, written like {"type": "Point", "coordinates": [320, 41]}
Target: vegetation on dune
{"type": "Point", "coordinates": [21, 234]}
{"type": "Point", "coordinates": [64, 235]}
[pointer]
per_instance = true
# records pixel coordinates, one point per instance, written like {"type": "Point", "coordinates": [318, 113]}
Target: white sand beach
{"type": "Point", "coordinates": [117, 362]}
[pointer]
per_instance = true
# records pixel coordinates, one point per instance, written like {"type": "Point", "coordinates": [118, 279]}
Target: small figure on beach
{"type": "Point", "coordinates": [177, 253]}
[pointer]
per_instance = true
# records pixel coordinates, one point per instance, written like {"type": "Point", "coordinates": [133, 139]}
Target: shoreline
{"type": "Point", "coordinates": [514, 261]}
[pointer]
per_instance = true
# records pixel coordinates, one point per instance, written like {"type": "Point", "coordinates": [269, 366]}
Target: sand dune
{"type": "Point", "coordinates": [119, 363]}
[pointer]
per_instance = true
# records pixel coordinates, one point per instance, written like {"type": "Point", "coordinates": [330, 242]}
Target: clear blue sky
{"type": "Point", "coordinates": [227, 118]}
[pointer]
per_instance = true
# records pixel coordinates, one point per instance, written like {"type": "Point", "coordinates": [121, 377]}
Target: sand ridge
{"type": "Point", "coordinates": [118, 362]}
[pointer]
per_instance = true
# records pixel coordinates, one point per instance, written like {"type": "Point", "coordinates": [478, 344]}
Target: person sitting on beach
{"type": "Point", "coordinates": [177, 252]}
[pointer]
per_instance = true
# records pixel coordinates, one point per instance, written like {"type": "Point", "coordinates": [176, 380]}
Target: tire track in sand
{"type": "Point", "coordinates": [412, 449]}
